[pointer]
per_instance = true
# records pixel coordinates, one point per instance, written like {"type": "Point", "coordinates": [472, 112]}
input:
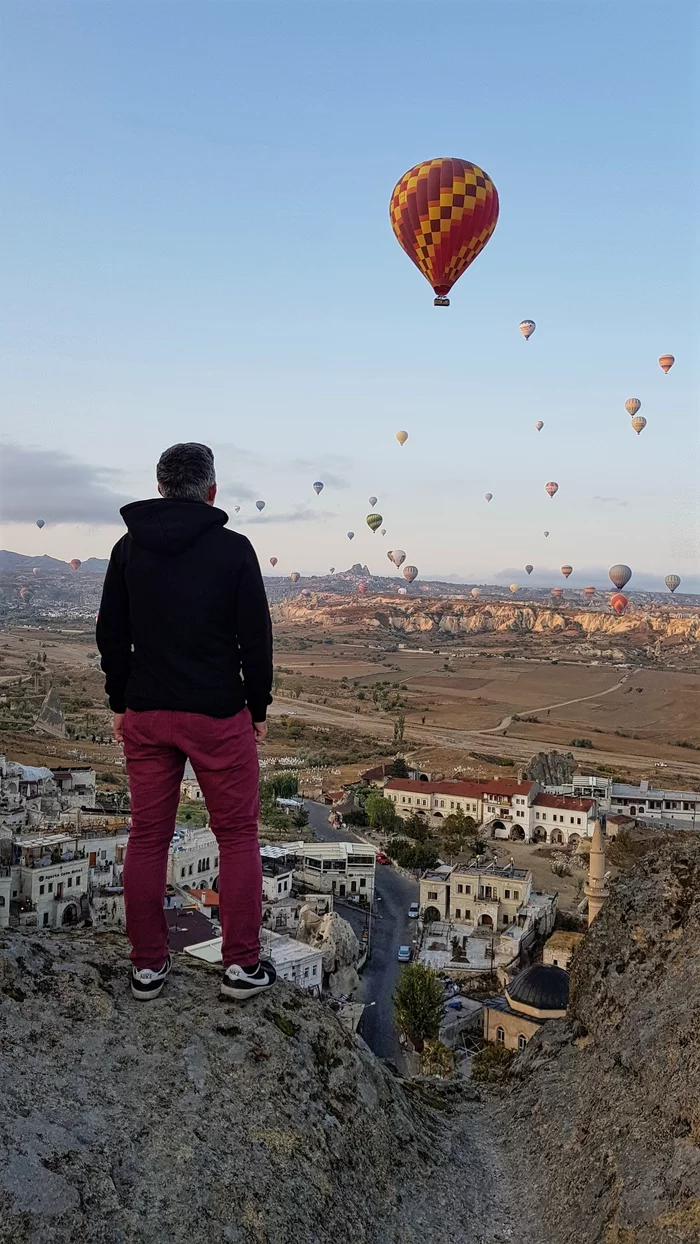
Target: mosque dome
{"type": "Point", "coordinates": [539, 988]}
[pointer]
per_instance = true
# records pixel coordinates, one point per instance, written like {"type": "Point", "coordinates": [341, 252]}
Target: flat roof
{"type": "Point", "coordinates": [621, 790]}
{"type": "Point", "coordinates": [336, 850]}
{"type": "Point", "coordinates": [45, 840]}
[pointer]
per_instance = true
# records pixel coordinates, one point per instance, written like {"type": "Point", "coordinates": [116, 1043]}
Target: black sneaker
{"type": "Point", "coordinates": [147, 984]}
{"type": "Point", "coordinates": [242, 983]}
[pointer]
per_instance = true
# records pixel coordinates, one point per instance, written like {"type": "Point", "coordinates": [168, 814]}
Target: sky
{"type": "Point", "coordinates": [196, 246]}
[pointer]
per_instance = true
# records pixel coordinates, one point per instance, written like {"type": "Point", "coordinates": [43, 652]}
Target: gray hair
{"type": "Point", "coordinates": [186, 472]}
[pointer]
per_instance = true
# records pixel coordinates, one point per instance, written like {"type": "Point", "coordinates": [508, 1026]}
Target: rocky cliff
{"type": "Point", "coordinates": [602, 1115]}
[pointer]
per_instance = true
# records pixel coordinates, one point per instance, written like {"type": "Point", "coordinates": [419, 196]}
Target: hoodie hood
{"type": "Point", "coordinates": [170, 527]}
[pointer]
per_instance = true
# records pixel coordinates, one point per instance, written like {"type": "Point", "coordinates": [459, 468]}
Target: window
{"type": "Point", "coordinates": [505, 919]}
{"type": "Point", "coordinates": [41, 891]}
{"type": "Point", "coordinates": [363, 882]}
{"type": "Point", "coordinates": [306, 972]}
{"type": "Point", "coordinates": [313, 970]}
{"type": "Point", "coordinates": [216, 861]}
{"type": "Point", "coordinates": [516, 893]}
{"type": "Point", "coordinates": [571, 820]}
{"type": "Point", "coordinates": [458, 913]}
{"type": "Point", "coordinates": [189, 870]}
{"type": "Point", "coordinates": [506, 893]}
{"type": "Point", "coordinates": [460, 889]}
{"type": "Point", "coordinates": [555, 963]}
{"type": "Point", "coordinates": [286, 884]}
{"type": "Point", "coordinates": [522, 1041]}
{"type": "Point", "coordinates": [467, 889]}
{"type": "Point", "coordinates": [51, 887]}
{"type": "Point", "coordinates": [69, 882]}
{"type": "Point", "coordinates": [544, 816]}
{"type": "Point", "coordinates": [500, 1036]}
{"type": "Point", "coordinates": [442, 803]}
{"type": "Point", "coordinates": [46, 918]}
{"type": "Point", "coordinates": [183, 872]}
{"type": "Point", "coordinates": [452, 803]}
{"type": "Point", "coordinates": [578, 820]}
{"type": "Point", "coordinates": [467, 914]}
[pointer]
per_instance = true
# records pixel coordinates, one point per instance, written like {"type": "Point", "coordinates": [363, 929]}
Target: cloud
{"type": "Point", "coordinates": [297, 515]}
{"type": "Point", "coordinates": [611, 501]}
{"type": "Point", "coordinates": [56, 486]}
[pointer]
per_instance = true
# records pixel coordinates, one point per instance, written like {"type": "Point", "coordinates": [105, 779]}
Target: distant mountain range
{"type": "Point", "coordinates": [19, 561]}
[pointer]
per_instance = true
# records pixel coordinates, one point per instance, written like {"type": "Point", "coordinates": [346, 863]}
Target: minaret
{"type": "Point", "coordinates": [596, 889]}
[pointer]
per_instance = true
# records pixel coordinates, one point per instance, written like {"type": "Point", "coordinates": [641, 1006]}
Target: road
{"type": "Point", "coordinates": [546, 708]}
{"type": "Point", "coordinates": [391, 928]}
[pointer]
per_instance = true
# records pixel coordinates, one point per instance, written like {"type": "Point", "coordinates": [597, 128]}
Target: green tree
{"type": "Point", "coordinates": [458, 830]}
{"type": "Point", "coordinates": [381, 813]}
{"type": "Point", "coordinates": [399, 768]}
{"type": "Point", "coordinates": [437, 1060]}
{"type": "Point", "coordinates": [418, 1005]}
{"type": "Point", "coordinates": [300, 818]}
{"type": "Point", "coordinates": [411, 855]}
{"type": "Point", "coordinates": [416, 828]}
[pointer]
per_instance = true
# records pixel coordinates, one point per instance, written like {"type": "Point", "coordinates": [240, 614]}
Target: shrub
{"type": "Point", "coordinates": [492, 1063]}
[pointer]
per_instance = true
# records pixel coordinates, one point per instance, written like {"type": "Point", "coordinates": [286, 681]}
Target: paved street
{"type": "Point", "coordinates": [391, 928]}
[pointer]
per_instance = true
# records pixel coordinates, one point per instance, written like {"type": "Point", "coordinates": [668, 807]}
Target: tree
{"type": "Point", "coordinates": [399, 725]}
{"type": "Point", "coordinates": [457, 831]}
{"type": "Point", "coordinates": [381, 813]}
{"type": "Point", "coordinates": [356, 817]}
{"type": "Point", "coordinates": [437, 1060]}
{"type": "Point", "coordinates": [416, 828]}
{"type": "Point", "coordinates": [300, 818]}
{"type": "Point", "coordinates": [411, 855]}
{"type": "Point", "coordinates": [418, 1005]}
{"type": "Point", "coordinates": [399, 768]}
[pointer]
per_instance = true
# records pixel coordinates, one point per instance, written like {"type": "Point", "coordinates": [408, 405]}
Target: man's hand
{"type": "Point", "coordinates": [260, 731]}
{"type": "Point", "coordinates": [118, 726]}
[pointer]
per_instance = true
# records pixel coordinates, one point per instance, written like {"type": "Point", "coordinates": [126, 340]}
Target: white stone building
{"type": "Point", "coordinates": [193, 860]}
{"type": "Point", "coordinates": [294, 961]}
{"type": "Point", "coordinates": [675, 809]}
{"type": "Point", "coordinates": [344, 869]}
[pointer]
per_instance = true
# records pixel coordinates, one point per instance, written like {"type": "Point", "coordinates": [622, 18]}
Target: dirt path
{"type": "Point", "coordinates": [464, 740]}
{"type": "Point", "coordinates": [546, 708]}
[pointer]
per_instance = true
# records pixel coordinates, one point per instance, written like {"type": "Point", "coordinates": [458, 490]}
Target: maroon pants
{"type": "Point", "coordinates": [224, 756]}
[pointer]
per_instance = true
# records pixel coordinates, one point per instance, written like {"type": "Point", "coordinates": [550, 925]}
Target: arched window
{"type": "Point", "coordinates": [500, 1036]}
{"type": "Point", "coordinates": [522, 1041]}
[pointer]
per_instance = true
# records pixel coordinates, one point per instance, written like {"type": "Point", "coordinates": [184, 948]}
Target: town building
{"type": "Point", "coordinates": [536, 994]}
{"type": "Point", "coordinates": [193, 860]}
{"type": "Point", "coordinates": [559, 949]}
{"type": "Point", "coordinates": [344, 869]}
{"type": "Point", "coordinates": [190, 789]}
{"type": "Point", "coordinates": [475, 894]}
{"type": "Point", "coordinates": [562, 819]}
{"type": "Point", "coordinates": [47, 877]}
{"type": "Point", "coordinates": [434, 799]}
{"type": "Point", "coordinates": [294, 961]}
{"type": "Point", "coordinates": [76, 787]}
{"type": "Point", "coordinates": [647, 804]}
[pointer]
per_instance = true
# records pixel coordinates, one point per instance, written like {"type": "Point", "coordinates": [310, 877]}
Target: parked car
{"type": "Point", "coordinates": [414, 911]}
{"type": "Point", "coordinates": [404, 955]}
{"type": "Point", "coordinates": [382, 858]}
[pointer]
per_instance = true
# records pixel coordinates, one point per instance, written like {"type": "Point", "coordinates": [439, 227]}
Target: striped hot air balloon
{"type": "Point", "coordinates": [619, 575]}
{"type": "Point", "coordinates": [666, 363]}
{"type": "Point", "coordinates": [639, 423]}
{"type": "Point", "coordinates": [527, 328]}
{"type": "Point", "coordinates": [410, 573]}
{"type": "Point", "coordinates": [374, 521]}
{"type": "Point", "coordinates": [589, 592]}
{"type": "Point", "coordinates": [362, 588]}
{"type": "Point", "coordinates": [551, 488]}
{"type": "Point", "coordinates": [619, 602]}
{"type": "Point", "coordinates": [557, 592]}
{"type": "Point", "coordinates": [443, 213]}
{"type": "Point", "coordinates": [566, 571]}
{"type": "Point", "coordinates": [672, 581]}
{"type": "Point", "coordinates": [632, 405]}
{"type": "Point", "coordinates": [295, 576]}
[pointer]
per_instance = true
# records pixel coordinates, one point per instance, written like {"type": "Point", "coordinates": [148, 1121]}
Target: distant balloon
{"type": "Point", "coordinates": [260, 505]}
{"type": "Point", "coordinates": [40, 522]}
{"type": "Point", "coordinates": [666, 362]}
{"type": "Point", "coordinates": [24, 592]}
{"type": "Point", "coordinates": [514, 588]}
{"type": "Point", "coordinates": [527, 328]}
{"type": "Point", "coordinates": [672, 581]}
{"type": "Point", "coordinates": [273, 561]}
{"type": "Point", "coordinates": [557, 592]}
{"type": "Point", "coordinates": [410, 573]}
{"type": "Point", "coordinates": [397, 556]}
{"type": "Point", "coordinates": [539, 425]}
{"type": "Point", "coordinates": [403, 591]}
{"type": "Point", "coordinates": [529, 569]}
{"type": "Point", "coordinates": [488, 496]}
{"type": "Point", "coordinates": [566, 571]}
{"type": "Point", "coordinates": [402, 437]}
{"type": "Point", "coordinates": [374, 521]}
{"type": "Point", "coordinates": [362, 588]}
{"type": "Point", "coordinates": [476, 592]}
{"type": "Point", "coordinates": [632, 405]}
{"type": "Point", "coordinates": [76, 563]}
{"type": "Point", "coordinates": [306, 593]}
{"type": "Point", "coordinates": [35, 570]}
{"type": "Point", "coordinates": [443, 212]}
{"type": "Point", "coordinates": [619, 576]}
{"type": "Point", "coordinates": [373, 501]}
{"type": "Point", "coordinates": [351, 535]}
{"type": "Point", "coordinates": [619, 602]}
{"type": "Point", "coordinates": [237, 509]}
{"type": "Point", "coordinates": [317, 487]}
{"type": "Point", "coordinates": [332, 571]}
{"type": "Point", "coordinates": [589, 592]}
{"type": "Point", "coordinates": [383, 531]}
{"type": "Point", "coordinates": [295, 576]}
{"type": "Point", "coordinates": [639, 423]}
{"type": "Point", "coordinates": [551, 488]}
{"type": "Point", "coordinates": [545, 533]}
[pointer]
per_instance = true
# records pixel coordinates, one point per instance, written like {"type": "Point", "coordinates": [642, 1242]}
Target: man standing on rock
{"type": "Point", "coordinates": [186, 642]}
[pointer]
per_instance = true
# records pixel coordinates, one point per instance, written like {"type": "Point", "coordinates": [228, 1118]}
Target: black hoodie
{"type": "Point", "coordinates": [184, 622]}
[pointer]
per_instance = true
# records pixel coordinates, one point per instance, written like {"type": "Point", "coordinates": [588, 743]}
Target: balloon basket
{"type": "Point", "coordinates": [441, 302]}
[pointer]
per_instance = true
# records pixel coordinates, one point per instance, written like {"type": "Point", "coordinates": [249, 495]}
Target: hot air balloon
{"type": "Point", "coordinates": [397, 556]}
{"type": "Point", "coordinates": [476, 592]}
{"type": "Point", "coordinates": [332, 570]}
{"type": "Point", "coordinates": [403, 591]}
{"type": "Point", "coordinates": [539, 425]}
{"type": "Point", "coordinates": [527, 328]}
{"type": "Point", "coordinates": [488, 496]}
{"type": "Point", "coordinates": [672, 581]}
{"type": "Point", "coordinates": [443, 213]}
{"type": "Point", "coordinates": [666, 363]}
{"type": "Point", "coordinates": [40, 522]}
{"type": "Point", "coordinates": [306, 593]}
{"type": "Point", "coordinates": [566, 571]}
{"type": "Point", "coordinates": [545, 533]}
{"type": "Point", "coordinates": [273, 561]}
{"type": "Point", "coordinates": [373, 501]}
{"type": "Point", "coordinates": [619, 576]}
{"type": "Point", "coordinates": [619, 602]}
{"type": "Point", "coordinates": [410, 573]}
{"type": "Point", "coordinates": [374, 521]}
{"type": "Point", "coordinates": [237, 509]}
{"type": "Point", "coordinates": [551, 488]}
{"type": "Point", "coordinates": [260, 505]}
{"type": "Point", "coordinates": [632, 405]}
{"type": "Point", "coordinates": [529, 569]}
{"type": "Point", "coordinates": [76, 563]}
{"type": "Point", "coordinates": [402, 437]}
{"type": "Point", "coordinates": [295, 576]}
{"type": "Point", "coordinates": [383, 531]}
{"type": "Point", "coordinates": [35, 570]}
{"type": "Point", "coordinates": [24, 592]}
{"type": "Point", "coordinates": [362, 588]}
{"type": "Point", "coordinates": [351, 535]}
{"type": "Point", "coordinates": [318, 487]}
{"type": "Point", "coordinates": [514, 588]}
{"type": "Point", "coordinates": [589, 592]}
{"type": "Point", "coordinates": [639, 423]}
{"type": "Point", "coordinates": [557, 592]}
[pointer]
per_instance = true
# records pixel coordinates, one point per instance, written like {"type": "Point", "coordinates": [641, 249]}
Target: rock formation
{"type": "Point", "coordinates": [551, 768]}
{"type": "Point", "coordinates": [339, 948]}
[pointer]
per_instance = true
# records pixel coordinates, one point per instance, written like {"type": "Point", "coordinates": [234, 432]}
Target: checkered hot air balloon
{"type": "Point", "coordinates": [443, 213]}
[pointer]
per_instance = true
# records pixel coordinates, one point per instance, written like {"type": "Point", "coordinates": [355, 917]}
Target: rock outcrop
{"type": "Point", "coordinates": [340, 949]}
{"type": "Point", "coordinates": [603, 1116]}
{"type": "Point", "coordinates": [551, 768]}
{"type": "Point", "coordinates": [191, 1119]}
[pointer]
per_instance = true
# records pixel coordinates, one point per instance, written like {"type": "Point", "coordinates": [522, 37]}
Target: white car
{"type": "Point", "coordinates": [413, 911]}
